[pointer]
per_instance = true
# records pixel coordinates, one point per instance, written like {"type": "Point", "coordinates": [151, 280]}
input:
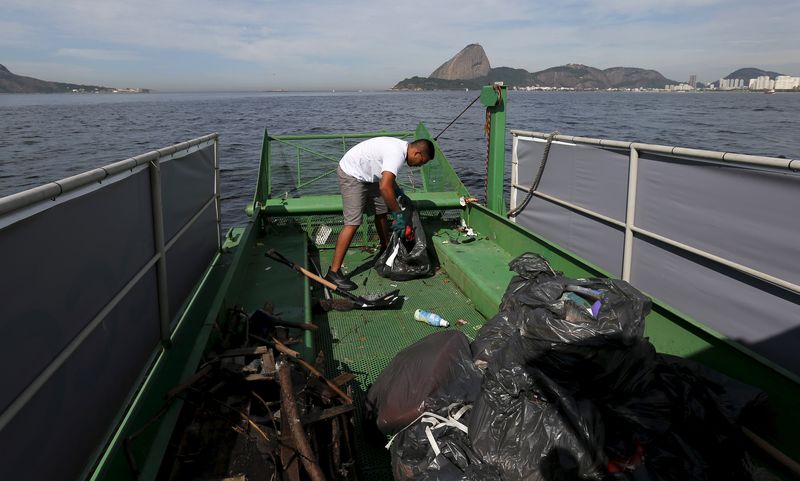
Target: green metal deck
{"type": "Point", "coordinates": [364, 342]}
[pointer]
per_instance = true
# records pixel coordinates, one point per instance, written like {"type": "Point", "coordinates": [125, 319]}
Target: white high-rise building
{"type": "Point", "coordinates": [764, 83]}
{"type": "Point", "coordinates": [786, 82]}
{"type": "Point", "coordinates": [731, 83]}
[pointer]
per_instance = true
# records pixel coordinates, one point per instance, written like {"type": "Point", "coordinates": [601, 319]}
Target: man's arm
{"type": "Point", "coordinates": [387, 191]}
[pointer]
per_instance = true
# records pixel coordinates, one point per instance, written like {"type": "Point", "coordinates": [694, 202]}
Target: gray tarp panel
{"type": "Point", "coordinates": [592, 178]}
{"type": "Point", "coordinates": [757, 314]}
{"type": "Point", "coordinates": [56, 434]}
{"type": "Point", "coordinates": [62, 266]}
{"type": "Point", "coordinates": [189, 258]}
{"type": "Point", "coordinates": [187, 183]}
{"type": "Point", "coordinates": [62, 262]}
{"type": "Point", "coordinates": [745, 214]}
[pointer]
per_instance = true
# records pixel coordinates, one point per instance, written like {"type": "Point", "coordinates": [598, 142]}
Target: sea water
{"type": "Point", "coordinates": [46, 137]}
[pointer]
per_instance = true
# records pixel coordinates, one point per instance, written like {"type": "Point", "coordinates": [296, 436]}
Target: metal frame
{"type": "Point", "coordinates": [633, 168]}
{"type": "Point", "coordinates": [29, 198]}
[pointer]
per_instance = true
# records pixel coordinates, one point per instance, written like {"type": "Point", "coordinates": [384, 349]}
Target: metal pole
{"type": "Point", "coordinates": [298, 168]}
{"type": "Point", "coordinates": [494, 97]}
{"type": "Point", "coordinates": [217, 195]}
{"type": "Point", "coordinates": [630, 214]}
{"type": "Point", "coordinates": [514, 174]}
{"type": "Point", "coordinates": [727, 157]}
{"type": "Point", "coordinates": [161, 265]}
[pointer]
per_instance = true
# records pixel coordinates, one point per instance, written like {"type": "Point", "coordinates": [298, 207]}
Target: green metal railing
{"type": "Point", "coordinates": [286, 159]}
{"type": "Point", "coordinates": [322, 154]}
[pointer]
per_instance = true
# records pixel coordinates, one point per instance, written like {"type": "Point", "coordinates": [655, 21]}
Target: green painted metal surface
{"type": "Point", "coordinates": [332, 204]}
{"type": "Point", "coordinates": [496, 107]}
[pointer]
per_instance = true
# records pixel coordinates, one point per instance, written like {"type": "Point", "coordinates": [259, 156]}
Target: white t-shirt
{"type": "Point", "coordinates": [367, 160]}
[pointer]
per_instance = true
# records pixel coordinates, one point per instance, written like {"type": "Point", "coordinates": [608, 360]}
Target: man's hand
{"type": "Point", "coordinates": [398, 222]}
{"type": "Point", "coordinates": [399, 193]}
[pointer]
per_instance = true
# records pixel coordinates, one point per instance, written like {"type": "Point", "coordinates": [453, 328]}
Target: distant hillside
{"type": "Point", "coordinates": [17, 84]}
{"type": "Point", "coordinates": [462, 71]}
{"type": "Point", "coordinates": [751, 73]}
{"type": "Point", "coordinates": [747, 74]}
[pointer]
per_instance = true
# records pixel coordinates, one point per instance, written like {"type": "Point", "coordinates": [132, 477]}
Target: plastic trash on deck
{"type": "Point", "coordinates": [406, 256]}
{"type": "Point", "coordinates": [571, 389]}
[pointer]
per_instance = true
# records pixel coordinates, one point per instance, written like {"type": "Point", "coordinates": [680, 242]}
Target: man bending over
{"type": "Point", "coordinates": [367, 174]}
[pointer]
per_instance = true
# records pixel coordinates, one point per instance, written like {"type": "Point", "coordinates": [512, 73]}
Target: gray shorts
{"type": "Point", "coordinates": [359, 197]}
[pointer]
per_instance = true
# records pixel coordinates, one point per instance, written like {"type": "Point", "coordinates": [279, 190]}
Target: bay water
{"type": "Point", "coordinates": [46, 137]}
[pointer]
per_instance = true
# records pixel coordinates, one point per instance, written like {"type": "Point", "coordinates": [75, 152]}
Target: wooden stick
{"type": "Point", "coordinates": [296, 356]}
{"type": "Point", "coordinates": [295, 428]}
{"type": "Point", "coordinates": [772, 451]}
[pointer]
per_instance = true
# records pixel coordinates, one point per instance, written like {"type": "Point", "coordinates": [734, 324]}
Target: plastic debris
{"type": "Point", "coordinates": [430, 318]}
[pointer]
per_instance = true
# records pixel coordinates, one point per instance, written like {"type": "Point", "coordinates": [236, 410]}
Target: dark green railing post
{"type": "Point", "coordinates": [494, 97]}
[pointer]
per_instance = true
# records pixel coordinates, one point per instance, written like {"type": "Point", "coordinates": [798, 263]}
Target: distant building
{"type": "Point", "coordinates": [678, 88]}
{"type": "Point", "coordinates": [693, 81]}
{"type": "Point", "coordinates": [786, 82]}
{"type": "Point", "coordinates": [764, 83]}
{"type": "Point", "coordinates": [731, 83]}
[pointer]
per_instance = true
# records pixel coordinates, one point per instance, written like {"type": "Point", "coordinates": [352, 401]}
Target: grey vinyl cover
{"type": "Point", "coordinates": [595, 179]}
{"type": "Point", "coordinates": [63, 261]}
{"type": "Point", "coordinates": [741, 213]}
{"type": "Point", "coordinates": [187, 184]}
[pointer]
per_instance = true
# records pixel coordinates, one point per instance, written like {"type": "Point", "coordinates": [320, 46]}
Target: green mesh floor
{"type": "Point", "coordinates": [363, 342]}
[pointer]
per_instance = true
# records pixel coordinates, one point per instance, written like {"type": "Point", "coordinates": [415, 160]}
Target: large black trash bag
{"type": "Point", "coordinates": [413, 457]}
{"type": "Point", "coordinates": [552, 371]}
{"type": "Point", "coordinates": [705, 441]}
{"type": "Point", "coordinates": [433, 372]}
{"type": "Point", "coordinates": [529, 433]}
{"type": "Point", "coordinates": [495, 332]}
{"type": "Point", "coordinates": [405, 260]}
{"type": "Point", "coordinates": [577, 393]}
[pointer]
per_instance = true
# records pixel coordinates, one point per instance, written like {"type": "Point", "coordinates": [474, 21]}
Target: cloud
{"type": "Point", "coordinates": [97, 54]}
{"type": "Point", "coordinates": [374, 44]}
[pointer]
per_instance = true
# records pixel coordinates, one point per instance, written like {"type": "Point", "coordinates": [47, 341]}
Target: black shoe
{"type": "Point", "coordinates": [341, 281]}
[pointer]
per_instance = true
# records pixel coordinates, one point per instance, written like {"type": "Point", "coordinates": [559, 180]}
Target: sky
{"type": "Point", "coordinates": [191, 45]}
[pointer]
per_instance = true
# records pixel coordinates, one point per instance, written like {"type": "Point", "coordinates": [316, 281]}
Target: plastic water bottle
{"type": "Point", "coordinates": [431, 318]}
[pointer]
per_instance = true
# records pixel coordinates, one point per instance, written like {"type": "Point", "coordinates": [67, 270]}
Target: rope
{"type": "Point", "coordinates": [457, 117]}
{"type": "Point", "coordinates": [536, 180]}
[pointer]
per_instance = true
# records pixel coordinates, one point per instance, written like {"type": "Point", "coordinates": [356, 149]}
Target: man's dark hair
{"type": "Point", "coordinates": [426, 146]}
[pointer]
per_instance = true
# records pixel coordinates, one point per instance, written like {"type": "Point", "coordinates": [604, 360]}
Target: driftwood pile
{"type": "Point", "coordinates": [255, 410]}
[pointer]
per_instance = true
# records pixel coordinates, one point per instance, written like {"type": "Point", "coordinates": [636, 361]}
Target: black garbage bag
{"type": "Point", "coordinates": [405, 259]}
{"type": "Point", "coordinates": [558, 357]}
{"type": "Point", "coordinates": [434, 372]}
{"type": "Point", "coordinates": [573, 390]}
{"type": "Point", "coordinates": [587, 335]}
{"type": "Point", "coordinates": [705, 441]}
{"type": "Point", "coordinates": [529, 433]}
{"type": "Point", "coordinates": [414, 456]}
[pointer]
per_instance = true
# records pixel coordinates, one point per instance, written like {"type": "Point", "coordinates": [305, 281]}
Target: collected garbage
{"type": "Point", "coordinates": [568, 388]}
{"type": "Point", "coordinates": [406, 256]}
{"type": "Point", "coordinates": [428, 375]}
{"type": "Point", "coordinates": [430, 318]}
{"type": "Point", "coordinates": [256, 410]}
